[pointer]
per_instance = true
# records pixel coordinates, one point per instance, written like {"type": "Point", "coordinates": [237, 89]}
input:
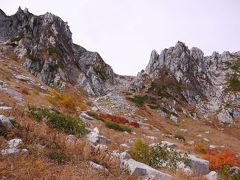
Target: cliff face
{"type": "Point", "coordinates": [210, 84]}
{"type": "Point", "coordinates": [45, 44]}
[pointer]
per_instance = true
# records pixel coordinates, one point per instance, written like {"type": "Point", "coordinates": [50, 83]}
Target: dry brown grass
{"type": "Point", "coordinates": [39, 139]}
{"type": "Point", "coordinates": [69, 102]}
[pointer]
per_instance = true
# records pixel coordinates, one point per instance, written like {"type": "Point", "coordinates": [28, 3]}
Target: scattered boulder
{"type": "Point", "coordinates": [199, 166]}
{"type": "Point", "coordinates": [235, 170]}
{"type": "Point", "coordinates": [94, 108]}
{"type": "Point", "coordinates": [15, 94]}
{"type": "Point", "coordinates": [169, 144]}
{"type": "Point", "coordinates": [174, 118]}
{"type": "Point", "coordinates": [211, 146]}
{"type": "Point", "coordinates": [5, 108]}
{"type": "Point", "coordinates": [7, 121]}
{"type": "Point", "coordinates": [22, 78]}
{"type": "Point", "coordinates": [144, 170]}
{"type": "Point", "coordinates": [121, 155]}
{"type": "Point", "coordinates": [13, 147]}
{"type": "Point", "coordinates": [206, 139]}
{"type": "Point", "coordinates": [96, 166]}
{"type": "Point", "coordinates": [212, 175]}
{"type": "Point", "coordinates": [124, 145]}
{"type": "Point", "coordinates": [95, 137]}
{"type": "Point", "coordinates": [84, 116]}
{"type": "Point", "coordinates": [183, 130]}
{"type": "Point", "coordinates": [190, 142]}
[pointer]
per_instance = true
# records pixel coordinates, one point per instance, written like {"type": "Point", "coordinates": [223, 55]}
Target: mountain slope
{"type": "Point", "coordinates": [211, 84]}
{"type": "Point", "coordinates": [44, 43]}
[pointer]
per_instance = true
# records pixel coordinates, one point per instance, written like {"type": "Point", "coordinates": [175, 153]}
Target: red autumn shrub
{"type": "Point", "coordinates": [219, 158]}
{"type": "Point", "coordinates": [134, 124]}
{"type": "Point", "coordinates": [117, 119]}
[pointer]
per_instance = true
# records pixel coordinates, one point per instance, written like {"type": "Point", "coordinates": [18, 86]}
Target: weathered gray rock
{"type": "Point", "coordinates": [84, 116]}
{"type": "Point", "coordinates": [13, 147]}
{"type": "Point", "coordinates": [45, 43]}
{"type": "Point", "coordinates": [7, 121]}
{"type": "Point", "coordinates": [235, 170]}
{"type": "Point", "coordinates": [201, 81]}
{"type": "Point", "coordinates": [199, 166]}
{"type": "Point", "coordinates": [95, 137]}
{"type": "Point", "coordinates": [169, 144]}
{"type": "Point", "coordinates": [12, 92]}
{"type": "Point", "coordinates": [121, 155]}
{"type": "Point", "coordinates": [212, 175]}
{"type": "Point", "coordinates": [96, 166]}
{"type": "Point", "coordinates": [145, 171]}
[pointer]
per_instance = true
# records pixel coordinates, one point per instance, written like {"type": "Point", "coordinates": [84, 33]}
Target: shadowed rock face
{"type": "Point", "coordinates": [211, 84]}
{"type": "Point", "coordinates": [45, 43]}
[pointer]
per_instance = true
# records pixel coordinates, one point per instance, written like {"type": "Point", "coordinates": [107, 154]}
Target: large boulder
{"type": "Point", "coordinates": [145, 171]}
{"type": "Point", "coordinates": [7, 121]}
{"type": "Point", "coordinates": [199, 166]}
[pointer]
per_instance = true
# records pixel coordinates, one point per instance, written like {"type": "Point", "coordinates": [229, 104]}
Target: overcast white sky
{"type": "Point", "coordinates": [125, 32]}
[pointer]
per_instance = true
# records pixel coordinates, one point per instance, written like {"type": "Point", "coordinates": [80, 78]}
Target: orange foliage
{"type": "Point", "coordinates": [219, 158]}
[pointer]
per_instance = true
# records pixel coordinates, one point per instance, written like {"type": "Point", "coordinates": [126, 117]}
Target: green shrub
{"type": "Point", "coordinates": [112, 125]}
{"type": "Point", "coordinates": [234, 84]}
{"type": "Point", "coordinates": [140, 151]}
{"type": "Point", "coordinates": [68, 124]}
{"type": "Point", "coordinates": [95, 116]}
{"type": "Point", "coordinates": [226, 174]}
{"type": "Point", "coordinates": [153, 106]}
{"type": "Point", "coordinates": [53, 50]}
{"type": "Point", "coordinates": [138, 100]}
{"type": "Point", "coordinates": [57, 120]}
{"type": "Point", "coordinates": [165, 156]}
{"type": "Point", "coordinates": [158, 155]}
{"type": "Point", "coordinates": [37, 113]}
{"type": "Point", "coordinates": [59, 156]}
{"type": "Point", "coordinates": [3, 131]}
{"type": "Point", "coordinates": [101, 73]}
{"type": "Point", "coordinates": [16, 38]}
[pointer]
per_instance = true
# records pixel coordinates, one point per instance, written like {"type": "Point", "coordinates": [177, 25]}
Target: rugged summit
{"type": "Point", "coordinates": [209, 83]}
{"type": "Point", "coordinates": [45, 45]}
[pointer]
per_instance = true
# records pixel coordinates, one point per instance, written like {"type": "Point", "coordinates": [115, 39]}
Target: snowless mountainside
{"type": "Point", "coordinates": [65, 114]}
{"type": "Point", "coordinates": [211, 84]}
{"type": "Point", "coordinates": [45, 44]}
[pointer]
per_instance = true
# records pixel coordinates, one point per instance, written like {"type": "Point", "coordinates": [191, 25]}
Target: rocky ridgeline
{"type": "Point", "coordinates": [178, 77]}
{"type": "Point", "coordinates": [45, 44]}
{"type": "Point", "coordinates": [210, 84]}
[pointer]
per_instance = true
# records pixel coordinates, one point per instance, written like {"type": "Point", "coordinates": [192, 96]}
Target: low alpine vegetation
{"type": "Point", "coordinates": [158, 155]}
{"type": "Point", "coordinates": [114, 122]}
{"type": "Point", "coordinates": [59, 157]}
{"type": "Point", "coordinates": [217, 159]}
{"type": "Point", "coordinates": [138, 100]}
{"type": "Point", "coordinates": [59, 121]}
{"type": "Point", "coordinates": [116, 126]}
{"type": "Point", "coordinates": [68, 102]}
